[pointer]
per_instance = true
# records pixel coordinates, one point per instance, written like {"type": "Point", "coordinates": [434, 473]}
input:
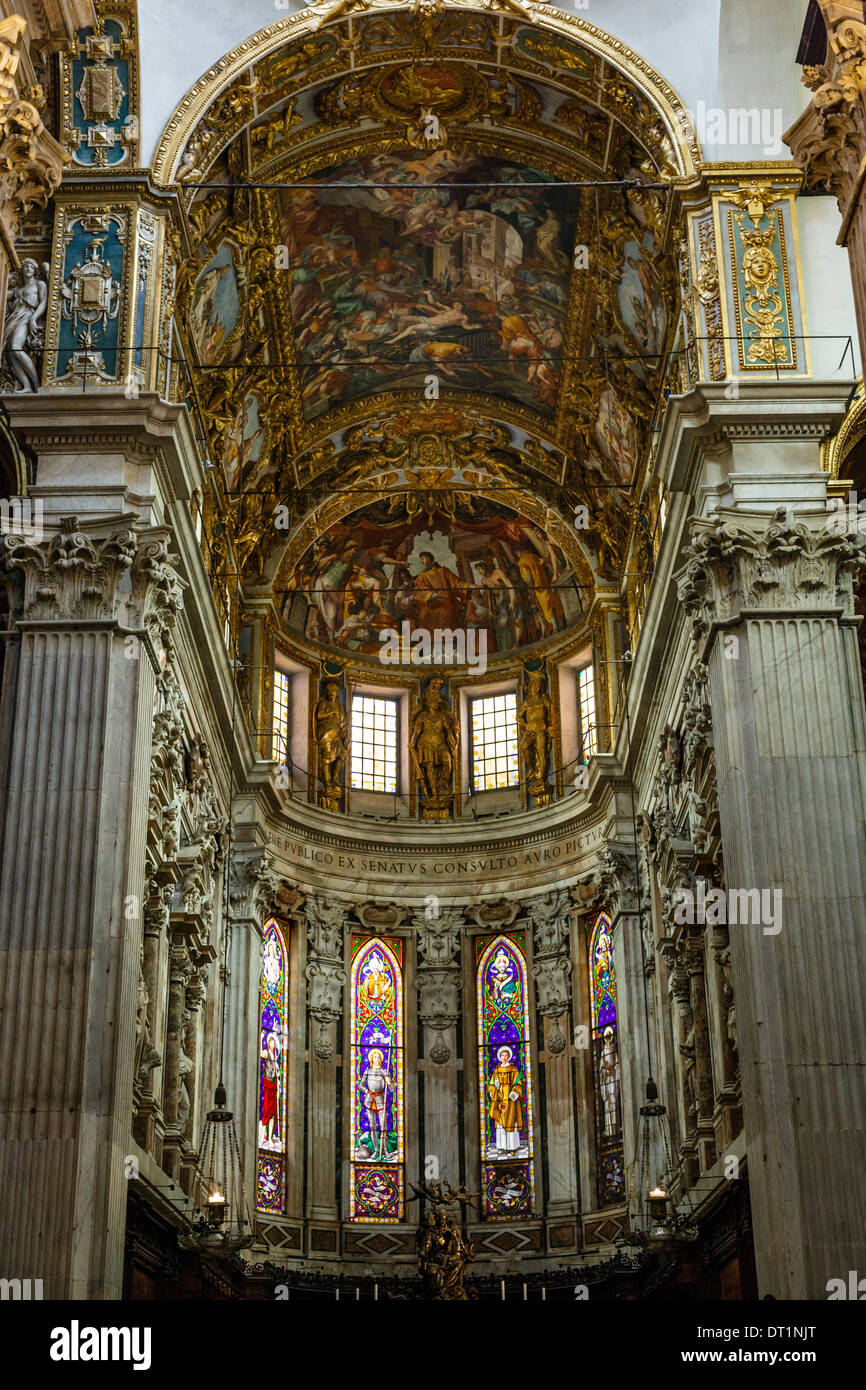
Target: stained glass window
{"type": "Point", "coordinates": [376, 1116]}
{"type": "Point", "coordinates": [280, 749]}
{"type": "Point", "coordinates": [604, 1042]}
{"type": "Point", "coordinates": [504, 1078]}
{"type": "Point", "coordinates": [374, 744]}
{"type": "Point", "coordinates": [494, 742]}
{"type": "Point", "coordinates": [273, 1072]}
{"type": "Point", "coordinates": [586, 712]}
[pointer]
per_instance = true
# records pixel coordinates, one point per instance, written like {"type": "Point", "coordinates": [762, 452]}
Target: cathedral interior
{"type": "Point", "coordinates": [432, 724]}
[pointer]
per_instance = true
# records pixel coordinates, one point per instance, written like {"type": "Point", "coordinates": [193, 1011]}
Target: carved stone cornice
{"type": "Point", "coordinates": [734, 570]}
{"type": "Point", "coordinates": [325, 975]}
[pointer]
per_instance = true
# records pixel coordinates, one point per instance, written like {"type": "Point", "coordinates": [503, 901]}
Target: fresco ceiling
{"type": "Point", "coordinates": [349, 271]}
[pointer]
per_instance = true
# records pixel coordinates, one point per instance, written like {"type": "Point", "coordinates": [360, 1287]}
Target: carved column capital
{"type": "Point", "coordinates": [616, 880]}
{"type": "Point", "coordinates": [551, 970]}
{"type": "Point", "coordinates": [827, 141]}
{"type": "Point", "coordinates": [325, 975]}
{"type": "Point", "coordinates": [71, 574]}
{"type": "Point", "coordinates": [733, 569]}
{"type": "Point", "coordinates": [253, 886]}
{"type": "Point", "coordinates": [438, 975]}
{"type": "Point", "coordinates": [31, 160]}
{"type": "Point", "coordinates": [31, 163]}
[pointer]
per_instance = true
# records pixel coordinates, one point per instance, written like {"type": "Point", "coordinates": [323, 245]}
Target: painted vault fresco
{"type": "Point", "coordinates": [390, 283]}
{"type": "Point", "coordinates": [481, 566]}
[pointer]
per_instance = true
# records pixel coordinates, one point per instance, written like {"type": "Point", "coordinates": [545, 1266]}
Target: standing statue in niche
{"type": "Point", "coordinates": [24, 332]}
{"type": "Point", "coordinates": [432, 751]}
{"type": "Point", "coordinates": [332, 732]}
{"type": "Point", "coordinates": [535, 735]}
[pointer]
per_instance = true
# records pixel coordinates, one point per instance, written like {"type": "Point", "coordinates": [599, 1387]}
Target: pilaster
{"type": "Point", "coordinates": [551, 922]}
{"type": "Point", "coordinates": [770, 600]}
{"type": "Point", "coordinates": [71, 875]}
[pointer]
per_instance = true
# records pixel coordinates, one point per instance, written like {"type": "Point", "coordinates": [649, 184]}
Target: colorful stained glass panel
{"type": "Point", "coordinates": [376, 1080]}
{"type": "Point", "coordinates": [273, 1050]}
{"type": "Point", "coordinates": [605, 1064]}
{"type": "Point", "coordinates": [504, 1078]}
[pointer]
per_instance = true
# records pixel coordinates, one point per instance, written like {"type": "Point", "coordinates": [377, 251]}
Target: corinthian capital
{"type": "Point", "coordinates": [31, 163]}
{"type": "Point", "coordinates": [828, 140]}
{"type": "Point", "coordinates": [70, 574]}
{"type": "Point", "coordinates": [616, 880]}
{"type": "Point", "coordinates": [254, 886]}
{"type": "Point", "coordinates": [31, 160]}
{"type": "Point", "coordinates": [549, 916]}
{"type": "Point", "coordinates": [735, 569]}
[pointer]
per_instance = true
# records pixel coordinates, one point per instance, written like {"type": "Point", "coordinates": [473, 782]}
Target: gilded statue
{"type": "Point", "coordinates": [332, 746]}
{"type": "Point", "coordinates": [432, 751]}
{"type": "Point", "coordinates": [535, 734]}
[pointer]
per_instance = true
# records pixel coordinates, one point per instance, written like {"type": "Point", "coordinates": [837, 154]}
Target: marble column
{"type": "Point", "coordinates": [71, 876]}
{"type": "Point", "coordinates": [616, 877]}
{"type": "Point", "coordinates": [438, 979]}
{"type": "Point", "coordinates": [551, 970]}
{"type": "Point", "coordinates": [790, 735]}
{"type": "Point", "coordinates": [253, 889]}
{"type": "Point", "coordinates": [326, 977]}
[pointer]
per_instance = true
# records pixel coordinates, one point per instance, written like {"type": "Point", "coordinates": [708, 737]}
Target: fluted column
{"type": "Point", "coordinates": [790, 735]}
{"type": "Point", "coordinates": [550, 918]}
{"type": "Point", "coordinates": [438, 979]}
{"type": "Point", "coordinates": [74, 833]}
{"type": "Point", "coordinates": [326, 977]}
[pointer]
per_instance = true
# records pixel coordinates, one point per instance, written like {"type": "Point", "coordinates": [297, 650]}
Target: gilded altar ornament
{"type": "Point", "coordinates": [432, 751]}
{"type": "Point", "coordinates": [332, 734]}
{"type": "Point", "coordinates": [535, 732]}
{"type": "Point", "coordinates": [24, 329]}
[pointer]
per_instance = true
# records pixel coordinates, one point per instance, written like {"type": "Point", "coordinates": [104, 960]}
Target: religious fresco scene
{"type": "Point", "coordinates": [484, 567]}
{"type": "Point", "coordinates": [391, 281]}
{"type": "Point", "coordinates": [430, 435]}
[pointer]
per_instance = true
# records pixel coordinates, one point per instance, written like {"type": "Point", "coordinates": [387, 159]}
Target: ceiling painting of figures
{"type": "Point", "coordinates": [478, 565]}
{"type": "Point", "coordinates": [408, 277]}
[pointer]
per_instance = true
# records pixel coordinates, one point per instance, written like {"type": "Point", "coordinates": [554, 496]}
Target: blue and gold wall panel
{"type": "Point", "coordinates": [103, 325]}
{"type": "Point", "coordinates": [99, 93]}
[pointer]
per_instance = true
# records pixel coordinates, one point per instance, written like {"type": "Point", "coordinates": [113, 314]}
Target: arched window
{"type": "Point", "coordinates": [605, 1064]}
{"type": "Point", "coordinates": [504, 1078]}
{"type": "Point", "coordinates": [273, 1049]}
{"type": "Point", "coordinates": [377, 1102]}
